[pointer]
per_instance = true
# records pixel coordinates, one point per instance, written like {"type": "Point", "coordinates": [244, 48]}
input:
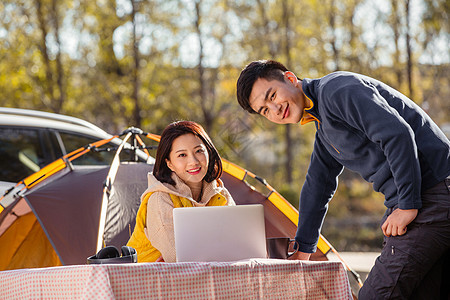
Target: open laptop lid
{"type": "Point", "coordinates": [219, 233]}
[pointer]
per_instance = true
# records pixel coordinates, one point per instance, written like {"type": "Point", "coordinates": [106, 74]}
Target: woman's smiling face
{"type": "Point", "coordinates": [189, 159]}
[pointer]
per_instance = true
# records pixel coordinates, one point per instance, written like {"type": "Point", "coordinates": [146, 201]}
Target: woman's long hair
{"type": "Point", "coordinates": [162, 172]}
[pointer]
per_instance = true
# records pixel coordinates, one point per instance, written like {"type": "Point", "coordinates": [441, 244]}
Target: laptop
{"type": "Point", "coordinates": [219, 233]}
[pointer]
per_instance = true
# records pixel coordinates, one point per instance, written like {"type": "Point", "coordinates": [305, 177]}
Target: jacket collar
{"type": "Point", "coordinates": [309, 90]}
{"type": "Point", "coordinates": [181, 189]}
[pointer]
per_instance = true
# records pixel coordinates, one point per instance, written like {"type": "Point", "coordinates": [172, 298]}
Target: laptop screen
{"type": "Point", "coordinates": [219, 233]}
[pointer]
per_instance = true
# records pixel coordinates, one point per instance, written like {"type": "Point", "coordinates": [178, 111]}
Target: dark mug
{"type": "Point", "coordinates": [279, 247]}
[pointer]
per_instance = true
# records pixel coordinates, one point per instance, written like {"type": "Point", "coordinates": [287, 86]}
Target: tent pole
{"type": "Point", "coordinates": [107, 191]}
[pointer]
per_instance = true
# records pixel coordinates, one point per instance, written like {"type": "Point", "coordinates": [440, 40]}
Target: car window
{"type": "Point", "coordinates": [73, 142]}
{"type": "Point", "coordinates": [24, 151]}
{"type": "Point", "coordinates": [102, 157]}
{"type": "Point", "coordinates": [21, 153]}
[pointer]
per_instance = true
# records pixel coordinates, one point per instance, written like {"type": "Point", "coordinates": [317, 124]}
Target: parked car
{"type": "Point", "coordinates": [31, 139]}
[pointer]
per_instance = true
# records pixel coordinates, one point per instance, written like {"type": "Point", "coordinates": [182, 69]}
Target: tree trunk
{"type": "Point", "coordinates": [137, 109]}
{"type": "Point", "coordinates": [408, 50]}
{"type": "Point", "coordinates": [287, 52]}
{"type": "Point", "coordinates": [43, 48]}
{"type": "Point", "coordinates": [396, 23]}
{"type": "Point", "coordinates": [206, 109]}
{"type": "Point", "coordinates": [267, 32]}
{"type": "Point", "coordinates": [332, 23]}
{"type": "Point", "coordinates": [59, 68]}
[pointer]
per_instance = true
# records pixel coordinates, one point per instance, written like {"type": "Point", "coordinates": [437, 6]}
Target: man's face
{"type": "Point", "coordinates": [279, 102]}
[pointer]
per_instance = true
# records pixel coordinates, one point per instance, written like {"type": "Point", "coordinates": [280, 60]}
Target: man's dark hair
{"type": "Point", "coordinates": [267, 69]}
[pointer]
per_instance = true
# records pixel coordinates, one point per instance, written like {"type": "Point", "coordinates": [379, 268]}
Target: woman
{"type": "Point", "coordinates": [186, 174]}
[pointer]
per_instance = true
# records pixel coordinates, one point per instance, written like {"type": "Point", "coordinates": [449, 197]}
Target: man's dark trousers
{"type": "Point", "coordinates": [416, 264]}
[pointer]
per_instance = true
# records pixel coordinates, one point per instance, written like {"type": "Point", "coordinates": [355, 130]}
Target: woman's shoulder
{"type": "Point", "coordinates": [160, 200]}
{"type": "Point", "coordinates": [219, 188]}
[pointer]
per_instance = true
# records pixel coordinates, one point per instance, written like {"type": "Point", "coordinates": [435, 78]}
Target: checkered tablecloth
{"type": "Point", "coordinates": [248, 279]}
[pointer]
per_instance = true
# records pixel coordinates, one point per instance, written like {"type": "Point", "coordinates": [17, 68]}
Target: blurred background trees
{"type": "Point", "coordinates": [145, 63]}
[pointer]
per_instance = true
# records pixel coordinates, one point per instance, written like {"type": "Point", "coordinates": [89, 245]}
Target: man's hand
{"type": "Point", "coordinates": [397, 221]}
{"type": "Point", "coordinates": [300, 256]}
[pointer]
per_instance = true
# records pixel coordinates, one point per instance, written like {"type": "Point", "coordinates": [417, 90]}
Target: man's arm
{"type": "Point", "coordinates": [318, 189]}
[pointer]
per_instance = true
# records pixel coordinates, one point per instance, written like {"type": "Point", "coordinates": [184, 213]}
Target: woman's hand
{"type": "Point", "coordinates": [397, 221]}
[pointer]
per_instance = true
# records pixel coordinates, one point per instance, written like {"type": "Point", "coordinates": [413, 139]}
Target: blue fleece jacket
{"type": "Point", "coordinates": [368, 127]}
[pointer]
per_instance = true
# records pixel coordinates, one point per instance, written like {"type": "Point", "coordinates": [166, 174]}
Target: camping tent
{"type": "Point", "coordinates": [63, 213]}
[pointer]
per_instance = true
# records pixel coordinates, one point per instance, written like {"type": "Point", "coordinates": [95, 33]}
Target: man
{"type": "Point", "coordinates": [366, 126]}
